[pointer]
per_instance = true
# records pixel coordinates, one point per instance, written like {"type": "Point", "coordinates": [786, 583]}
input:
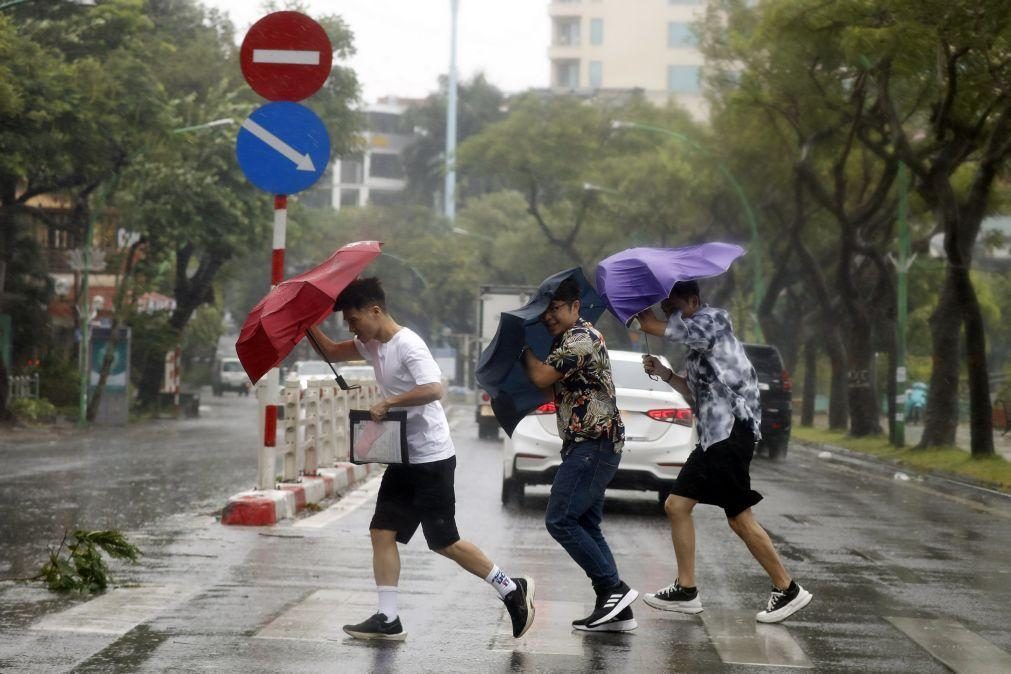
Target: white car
{"type": "Point", "coordinates": [659, 436]}
{"type": "Point", "coordinates": [357, 374]}
{"type": "Point", "coordinates": [306, 370]}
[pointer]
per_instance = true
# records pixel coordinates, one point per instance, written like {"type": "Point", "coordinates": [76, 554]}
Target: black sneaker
{"type": "Point", "coordinates": [675, 598]}
{"type": "Point", "coordinates": [520, 604]}
{"type": "Point", "coordinates": [608, 605]}
{"type": "Point", "coordinates": [623, 622]}
{"type": "Point", "coordinates": [378, 627]}
{"type": "Point", "coordinates": [784, 603]}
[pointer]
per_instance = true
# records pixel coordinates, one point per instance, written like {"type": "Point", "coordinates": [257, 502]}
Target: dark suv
{"type": "Point", "coordinates": [774, 388]}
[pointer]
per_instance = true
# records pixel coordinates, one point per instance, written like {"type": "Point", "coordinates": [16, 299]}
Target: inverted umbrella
{"type": "Point", "coordinates": [280, 320]}
{"type": "Point", "coordinates": [638, 278]}
{"type": "Point", "coordinates": [500, 372]}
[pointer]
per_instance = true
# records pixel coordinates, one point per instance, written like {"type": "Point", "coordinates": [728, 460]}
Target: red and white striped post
{"type": "Point", "coordinates": [270, 395]}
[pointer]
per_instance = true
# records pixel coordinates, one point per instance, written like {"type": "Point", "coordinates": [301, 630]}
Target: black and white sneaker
{"type": "Point", "coordinates": [623, 622]}
{"type": "Point", "coordinates": [784, 603]}
{"type": "Point", "coordinates": [609, 604]}
{"type": "Point", "coordinates": [675, 598]}
{"type": "Point", "coordinates": [520, 604]}
{"type": "Point", "coordinates": [378, 627]}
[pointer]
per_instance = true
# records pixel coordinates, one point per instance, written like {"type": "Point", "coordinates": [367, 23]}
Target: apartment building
{"type": "Point", "coordinates": [609, 45]}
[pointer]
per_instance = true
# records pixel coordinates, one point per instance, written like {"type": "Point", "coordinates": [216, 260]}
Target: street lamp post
{"type": "Point", "coordinates": [84, 309]}
{"type": "Point", "coordinates": [450, 196]}
{"type": "Point", "coordinates": [902, 267]}
{"type": "Point", "coordinates": [749, 213]}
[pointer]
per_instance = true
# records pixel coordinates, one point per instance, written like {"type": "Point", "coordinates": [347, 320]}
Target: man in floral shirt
{"type": "Point", "coordinates": [577, 376]}
{"type": "Point", "coordinates": [720, 383]}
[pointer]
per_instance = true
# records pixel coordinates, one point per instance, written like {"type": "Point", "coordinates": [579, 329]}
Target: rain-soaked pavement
{"type": "Point", "coordinates": [907, 575]}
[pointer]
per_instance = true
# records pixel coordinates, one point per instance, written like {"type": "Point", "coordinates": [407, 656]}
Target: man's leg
{"type": "Point", "coordinates": [385, 557]}
{"type": "Point", "coordinates": [682, 535]}
{"type": "Point", "coordinates": [468, 556]}
{"type": "Point", "coordinates": [760, 545]}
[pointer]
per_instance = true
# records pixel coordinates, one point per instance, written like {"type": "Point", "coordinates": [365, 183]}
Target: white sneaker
{"type": "Point", "coordinates": [675, 598]}
{"type": "Point", "coordinates": [784, 603]}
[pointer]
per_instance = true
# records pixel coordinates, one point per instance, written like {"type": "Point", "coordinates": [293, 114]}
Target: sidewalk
{"type": "Point", "coordinates": [1001, 444]}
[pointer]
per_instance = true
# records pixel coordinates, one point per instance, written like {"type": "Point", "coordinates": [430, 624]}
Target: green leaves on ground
{"type": "Point", "coordinates": [79, 566]}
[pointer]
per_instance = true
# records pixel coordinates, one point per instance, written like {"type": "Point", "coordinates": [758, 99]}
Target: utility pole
{"type": "Point", "coordinates": [902, 267]}
{"type": "Point", "coordinates": [450, 195]}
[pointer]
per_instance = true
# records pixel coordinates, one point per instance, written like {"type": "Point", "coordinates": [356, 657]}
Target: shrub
{"type": "Point", "coordinates": [33, 410]}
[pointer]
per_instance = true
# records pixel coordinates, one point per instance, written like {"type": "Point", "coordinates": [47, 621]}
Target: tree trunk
{"type": "Point", "coordinates": [981, 420]}
{"type": "Point", "coordinates": [892, 386]}
{"type": "Point", "coordinates": [810, 382]}
{"type": "Point", "coordinates": [862, 389]}
{"type": "Point", "coordinates": [940, 419]}
{"type": "Point", "coordinates": [838, 402]}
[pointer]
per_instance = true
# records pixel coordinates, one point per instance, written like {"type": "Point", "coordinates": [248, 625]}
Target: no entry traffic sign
{"type": "Point", "coordinates": [286, 56]}
{"type": "Point", "coordinates": [283, 148]}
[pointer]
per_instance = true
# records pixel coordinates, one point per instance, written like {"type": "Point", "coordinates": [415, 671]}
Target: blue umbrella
{"type": "Point", "coordinates": [638, 278]}
{"type": "Point", "coordinates": [500, 372]}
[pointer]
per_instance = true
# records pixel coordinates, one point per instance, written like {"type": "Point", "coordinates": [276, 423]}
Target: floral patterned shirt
{"type": "Point", "coordinates": [587, 406]}
{"type": "Point", "coordinates": [718, 372]}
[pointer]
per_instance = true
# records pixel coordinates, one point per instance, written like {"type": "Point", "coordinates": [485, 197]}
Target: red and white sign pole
{"type": "Point", "coordinates": [271, 398]}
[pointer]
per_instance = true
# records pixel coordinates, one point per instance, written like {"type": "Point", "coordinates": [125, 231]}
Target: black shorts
{"type": "Point", "coordinates": [420, 493]}
{"type": "Point", "coordinates": [720, 475]}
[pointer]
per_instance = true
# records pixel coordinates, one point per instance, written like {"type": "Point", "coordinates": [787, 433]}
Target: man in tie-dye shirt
{"type": "Point", "coordinates": [721, 385]}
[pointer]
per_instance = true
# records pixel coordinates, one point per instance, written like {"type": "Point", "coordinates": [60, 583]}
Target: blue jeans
{"type": "Point", "coordinates": [576, 508]}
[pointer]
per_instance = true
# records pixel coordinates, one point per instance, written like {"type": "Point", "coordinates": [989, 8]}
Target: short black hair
{"type": "Point", "coordinates": [568, 291]}
{"type": "Point", "coordinates": [685, 290]}
{"type": "Point", "coordinates": [361, 294]}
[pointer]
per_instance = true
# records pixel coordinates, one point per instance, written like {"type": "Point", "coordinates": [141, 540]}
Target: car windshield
{"type": "Point", "coordinates": [765, 359]}
{"type": "Point", "coordinates": [231, 366]}
{"type": "Point", "coordinates": [313, 367]}
{"type": "Point", "coordinates": [629, 374]}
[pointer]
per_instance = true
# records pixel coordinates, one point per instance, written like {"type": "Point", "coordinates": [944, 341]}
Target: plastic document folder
{"type": "Point", "coordinates": [379, 442]}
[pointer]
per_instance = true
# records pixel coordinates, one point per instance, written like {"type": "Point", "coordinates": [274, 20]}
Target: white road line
{"type": "Point", "coordinates": [954, 645]}
{"type": "Point", "coordinates": [320, 616]}
{"type": "Point", "coordinates": [116, 612]}
{"type": "Point", "coordinates": [351, 502]}
{"type": "Point", "coordinates": [286, 57]}
{"type": "Point", "coordinates": [552, 631]}
{"type": "Point", "coordinates": [740, 640]}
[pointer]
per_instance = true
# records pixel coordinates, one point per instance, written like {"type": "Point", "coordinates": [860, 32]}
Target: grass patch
{"type": "Point", "coordinates": [994, 469]}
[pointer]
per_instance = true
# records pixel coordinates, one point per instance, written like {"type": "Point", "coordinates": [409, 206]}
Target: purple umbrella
{"type": "Point", "coordinates": [637, 278]}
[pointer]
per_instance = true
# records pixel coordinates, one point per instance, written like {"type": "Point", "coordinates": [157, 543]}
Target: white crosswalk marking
{"type": "Point", "coordinates": [740, 640]}
{"type": "Point", "coordinates": [551, 634]}
{"type": "Point", "coordinates": [321, 616]}
{"type": "Point", "coordinates": [117, 611]}
{"type": "Point", "coordinates": [951, 643]}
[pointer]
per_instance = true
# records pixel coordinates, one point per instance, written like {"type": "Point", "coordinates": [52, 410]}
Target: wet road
{"type": "Point", "coordinates": [906, 574]}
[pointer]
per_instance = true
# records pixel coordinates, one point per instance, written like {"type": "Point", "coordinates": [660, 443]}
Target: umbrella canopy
{"type": "Point", "coordinates": [279, 320]}
{"type": "Point", "coordinates": [501, 374]}
{"type": "Point", "coordinates": [637, 278]}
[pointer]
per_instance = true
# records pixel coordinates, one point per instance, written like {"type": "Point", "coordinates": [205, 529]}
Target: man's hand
{"type": "Point", "coordinates": [651, 324]}
{"type": "Point", "coordinates": [653, 367]}
{"type": "Point", "coordinates": [379, 410]}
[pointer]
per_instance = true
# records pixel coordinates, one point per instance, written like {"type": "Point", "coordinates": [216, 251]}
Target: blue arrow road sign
{"type": "Point", "coordinates": [283, 148]}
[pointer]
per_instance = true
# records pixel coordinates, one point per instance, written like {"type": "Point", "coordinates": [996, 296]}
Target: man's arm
{"type": "Point", "coordinates": [416, 397]}
{"type": "Point", "coordinates": [541, 374]}
{"type": "Point", "coordinates": [653, 366]}
{"type": "Point", "coordinates": [335, 352]}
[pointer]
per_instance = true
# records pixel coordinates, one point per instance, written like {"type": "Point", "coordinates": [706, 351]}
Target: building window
{"type": "Point", "coordinates": [680, 35]}
{"type": "Point", "coordinates": [385, 166]}
{"type": "Point", "coordinates": [596, 74]}
{"type": "Point", "coordinates": [352, 171]}
{"type": "Point", "coordinates": [596, 31]}
{"type": "Point", "coordinates": [349, 198]}
{"type": "Point", "coordinates": [567, 74]}
{"type": "Point", "coordinates": [567, 32]}
{"type": "Point", "coordinates": [384, 122]}
{"type": "Point", "coordinates": [683, 79]}
{"type": "Point", "coordinates": [384, 197]}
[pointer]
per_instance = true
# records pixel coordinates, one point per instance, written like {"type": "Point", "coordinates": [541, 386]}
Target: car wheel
{"type": "Point", "coordinates": [487, 432]}
{"type": "Point", "coordinates": [513, 491]}
{"type": "Point", "coordinates": [777, 448]}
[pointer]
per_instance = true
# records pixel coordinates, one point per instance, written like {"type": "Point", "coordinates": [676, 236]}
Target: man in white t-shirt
{"type": "Point", "coordinates": [422, 491]}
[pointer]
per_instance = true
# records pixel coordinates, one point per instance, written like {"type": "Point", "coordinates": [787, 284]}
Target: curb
{"type": "Point", "coordinates": [259, 508]}
{"type": "Point", "coordinates": [854, 456]}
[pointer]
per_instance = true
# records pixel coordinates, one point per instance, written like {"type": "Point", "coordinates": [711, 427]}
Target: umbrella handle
{"type": "Point", "coordinates": [339, 379]}
{"type": "Point", "coordinates": [645, 339]}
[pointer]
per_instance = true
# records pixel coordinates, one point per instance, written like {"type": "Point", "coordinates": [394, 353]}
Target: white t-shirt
{"type": "Point", "coordinates": [402, 364]}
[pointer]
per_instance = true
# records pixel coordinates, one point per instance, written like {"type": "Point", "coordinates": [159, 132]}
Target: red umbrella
{"type": "Point", "coordinates": [279, 320]}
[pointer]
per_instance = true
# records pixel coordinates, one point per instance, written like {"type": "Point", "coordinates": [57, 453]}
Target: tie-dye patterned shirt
{"type": "Point", "coordinates": [587, 406]}
{"type": "Point", "coordinates": [719, 374]}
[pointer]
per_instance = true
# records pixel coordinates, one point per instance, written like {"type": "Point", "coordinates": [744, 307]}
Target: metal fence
{"type": "Point", "coordinates": [25, 386]}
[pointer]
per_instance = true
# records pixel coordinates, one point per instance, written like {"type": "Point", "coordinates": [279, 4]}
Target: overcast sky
{"type": "Point", "coordinates": [403, 45]}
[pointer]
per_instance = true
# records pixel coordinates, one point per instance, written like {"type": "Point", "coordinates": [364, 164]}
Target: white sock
{"type": "Point", "coordinates": [388, 601]}
{"type": "Point", "coordinates": [501, 582]}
